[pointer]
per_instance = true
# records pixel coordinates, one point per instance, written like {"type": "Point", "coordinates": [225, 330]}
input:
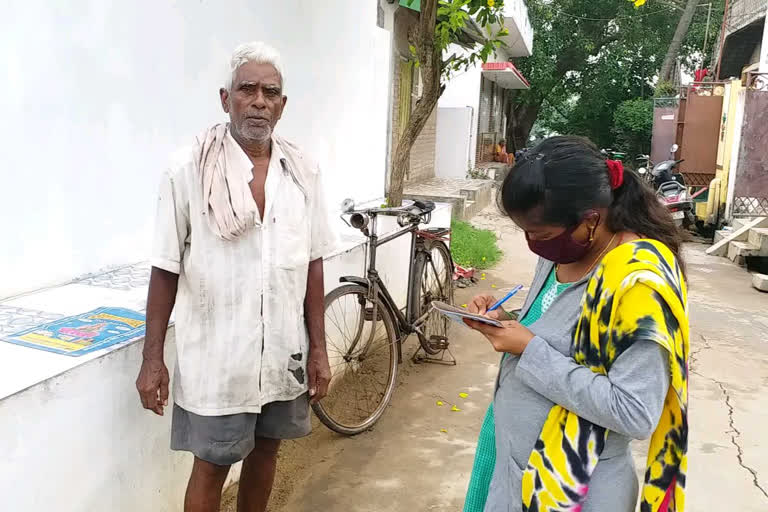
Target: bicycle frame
{"type": "Point", "coordinates": [405, 322]}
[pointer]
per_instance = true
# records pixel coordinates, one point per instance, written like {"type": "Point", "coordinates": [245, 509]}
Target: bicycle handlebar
{"type": "Point", "coordinates": [424, 207]}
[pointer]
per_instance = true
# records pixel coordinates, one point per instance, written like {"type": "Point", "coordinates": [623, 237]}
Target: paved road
{"type": "Point", "coordinates": [407, 463]}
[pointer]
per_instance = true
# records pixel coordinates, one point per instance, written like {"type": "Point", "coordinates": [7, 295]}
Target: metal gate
{"type": "Point", "coordinates": [698, 131]}
{"type": "Point", "coordinates": [750, 192]}
{"type": "Point", "coordinates": [664, 128]}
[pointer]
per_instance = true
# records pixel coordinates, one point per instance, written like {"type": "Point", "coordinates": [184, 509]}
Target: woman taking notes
{"type": "Point", "coordinates": [600, 354]}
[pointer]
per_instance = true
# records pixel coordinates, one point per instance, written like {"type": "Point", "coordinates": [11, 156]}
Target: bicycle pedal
{"type": "Point", "coordinates": [438, 342]}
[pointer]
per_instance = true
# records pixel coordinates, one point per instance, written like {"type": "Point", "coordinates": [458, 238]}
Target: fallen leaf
{"type": "Point", "coordinates": [482, 278]}
{"type": "Point", "coordinates": [493, 286]}
{"type": "Point", "coordinates": [455, 409]}
{"type": "Point", "coordinates": [463, 395]}
{"type": "Point", "coordinates": [439, 403]}
{"type": "Point", "coordinates": [463, 305]}
{"type": "Point", "coordinates": [443, 431]}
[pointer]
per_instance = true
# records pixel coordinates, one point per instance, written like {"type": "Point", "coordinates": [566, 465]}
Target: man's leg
{"type": "Point", "coordinates": [257, 476]}
{"type": "Point", "coordinates": [204, 488]}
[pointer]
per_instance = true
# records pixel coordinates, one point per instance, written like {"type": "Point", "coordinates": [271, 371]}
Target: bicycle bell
{"type": "Point", "coordinates": [347, 205]}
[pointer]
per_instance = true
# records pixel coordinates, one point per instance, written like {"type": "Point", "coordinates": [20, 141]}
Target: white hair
{"type": "Point", "coordinates": [255, 51]}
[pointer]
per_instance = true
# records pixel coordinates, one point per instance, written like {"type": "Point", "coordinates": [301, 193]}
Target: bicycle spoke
{"type": "Point", "coordinates": [361, 356]}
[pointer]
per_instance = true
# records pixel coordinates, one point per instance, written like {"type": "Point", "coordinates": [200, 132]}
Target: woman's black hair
{"type": "Point", "coordinates": [564, 177]}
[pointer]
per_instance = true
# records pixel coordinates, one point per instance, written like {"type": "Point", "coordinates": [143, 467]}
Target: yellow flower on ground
{"type": "Point", "coordinates": [443, 431]}
{"type": "Point", "coordinates": [483, 258]}
{"type": "Point", "coordinates": [439, 403]}
{"type": "Point", "coordinates": [493, 286]}
{"type": "Point", "coordinates": [463, 305]}
{"type": "Point", "coordinates": [463, 395]}
{"type": "Point", "coordinates": [638, 3]}
{"type": "Point", "coordinates": [455, 409]}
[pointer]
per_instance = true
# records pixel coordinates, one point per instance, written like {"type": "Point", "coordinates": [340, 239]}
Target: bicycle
{"type": "Point", "coordinates": [365, 329]}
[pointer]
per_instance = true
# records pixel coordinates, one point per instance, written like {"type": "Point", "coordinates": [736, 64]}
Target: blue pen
{"type": "Point", "coordinates": [506, 297]}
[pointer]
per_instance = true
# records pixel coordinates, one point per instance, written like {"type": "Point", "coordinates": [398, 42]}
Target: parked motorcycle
{"type": "Point", "coordinates": [671, 190]}
{"type": "Point", "coordinates": [643, 163]}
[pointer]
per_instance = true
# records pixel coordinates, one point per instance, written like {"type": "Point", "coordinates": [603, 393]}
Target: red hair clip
{"type": "Point", "coordinates": [616, 173]}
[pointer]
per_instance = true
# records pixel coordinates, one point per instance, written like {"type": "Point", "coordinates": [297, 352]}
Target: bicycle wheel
{"type": "Point", "coordinates": [433, 281]}
{"type": "Point", "coordinates": [363, 358]}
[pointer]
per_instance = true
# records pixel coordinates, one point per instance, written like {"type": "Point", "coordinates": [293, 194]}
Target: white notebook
{"type": "Point", "coordinates": [458, 314]}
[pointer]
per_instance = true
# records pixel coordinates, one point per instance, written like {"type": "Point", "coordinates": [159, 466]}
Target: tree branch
{"type": "Point", "coordinates": [557, 109]}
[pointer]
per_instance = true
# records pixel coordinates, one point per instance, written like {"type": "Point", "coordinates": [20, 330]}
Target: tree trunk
{"type": "Point", "coordinates": [673, 51]}
{"type": "Point", "coordinates": [430, 65]}
{"type": "Point", "coordinates": [520, 124]}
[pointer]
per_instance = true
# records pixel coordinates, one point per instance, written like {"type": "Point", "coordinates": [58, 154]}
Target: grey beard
{"type": "Point", "coordinates": [257, 137]}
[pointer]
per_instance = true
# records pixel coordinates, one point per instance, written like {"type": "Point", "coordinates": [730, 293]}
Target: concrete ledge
{"type": "Point", "coordinates": [467, 197]}
{"type": "Point", "coordinates": [760, 281]}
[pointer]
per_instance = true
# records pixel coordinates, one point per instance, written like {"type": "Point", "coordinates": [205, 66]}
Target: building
{"type": "Point", "coordinates": [739, 194]}
{"type": "Point", "coordinates": [471, 106]}
{"type": "Point", "coordinates": [472, 112]}
{"type": "Point", "coordinates": [743, 48]}
{"type": "Point", "coordinates": [744, 66]}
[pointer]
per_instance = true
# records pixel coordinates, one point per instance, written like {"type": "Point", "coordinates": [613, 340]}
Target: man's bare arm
{"type": "Point", "coordinates": [153, 379]}
{"type": "Point", "coordinates": [318, 369]}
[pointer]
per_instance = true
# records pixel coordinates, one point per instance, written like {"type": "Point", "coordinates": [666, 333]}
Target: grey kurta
{"type": "Point", "coordinates": [628, 401]}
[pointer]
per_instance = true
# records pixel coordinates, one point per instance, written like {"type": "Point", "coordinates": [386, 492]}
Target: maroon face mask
{"type": "Point", "coordinates": [562, 249]}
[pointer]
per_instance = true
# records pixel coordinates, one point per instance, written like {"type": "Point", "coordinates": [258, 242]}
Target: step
{"type": "Point", "coordinates": [722, 234]}
{"type": "Point", "coordinates": [739, 233]}
{"type": "Point", "coordinates": [738, 223]}
{"type": "Point", "coordinates": [478, 192]}
{"type": "Point", "coordinates": [760, 281]}
{"type": "Point", "coordinates": [470, 210]}
{"type": "Point", "coordinates": [737, 252]}
{"type": "Point", "coordinates": [759, 238]}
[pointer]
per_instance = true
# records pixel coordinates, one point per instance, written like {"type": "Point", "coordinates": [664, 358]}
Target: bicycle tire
{"type": "Point", "coordinates": [344, 382]}
{"type": "Point", "coordinates": [436, 324]}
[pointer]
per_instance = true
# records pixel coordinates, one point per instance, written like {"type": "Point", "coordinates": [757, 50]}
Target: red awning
{"type": "Point", "coordinates": [505, 74]}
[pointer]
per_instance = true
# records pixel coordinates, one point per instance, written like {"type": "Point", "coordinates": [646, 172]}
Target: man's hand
{"type": "Point", "coordinates": [318, 369]}
{"type": "Point", "coordinates": [152, 384]}
{"type": "Point", "coordinates": [319, 373]}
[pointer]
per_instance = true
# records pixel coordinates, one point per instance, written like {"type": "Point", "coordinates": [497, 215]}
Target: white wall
{"type": "Point", "coordinates": [463, 90]}
{"type": "Point", "coordinates": [455, 127]}
{"type": "Point", "coordinates": [95, 95]}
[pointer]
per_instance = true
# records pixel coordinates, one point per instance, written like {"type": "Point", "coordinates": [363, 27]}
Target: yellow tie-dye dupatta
{"type": "Point", "coordinates": [567, 451]}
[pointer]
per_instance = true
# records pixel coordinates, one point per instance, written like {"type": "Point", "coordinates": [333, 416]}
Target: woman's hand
{"type": "Point", "coordinates": [512, 337]}
{"type": "Point", "coordinates": [480, 305]}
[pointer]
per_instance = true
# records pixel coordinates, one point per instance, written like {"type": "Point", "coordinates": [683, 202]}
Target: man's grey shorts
{"type": "Point", "coordinates": [224, 440]}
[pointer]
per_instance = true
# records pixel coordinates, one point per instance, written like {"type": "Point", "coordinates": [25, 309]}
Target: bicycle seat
{"type": "Point", "coordinates": [424, 206]}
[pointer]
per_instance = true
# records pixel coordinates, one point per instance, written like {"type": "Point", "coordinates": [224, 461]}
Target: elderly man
{"type": "Point", "coordinates": [241, 232]}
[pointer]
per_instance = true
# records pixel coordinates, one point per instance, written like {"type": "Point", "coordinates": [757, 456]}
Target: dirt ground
{"type": "Point", "coordinates": [407, 463]}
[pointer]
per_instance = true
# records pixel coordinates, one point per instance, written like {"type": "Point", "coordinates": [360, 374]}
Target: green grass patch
{"type": "Point", "coordinates": [472, 247]}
